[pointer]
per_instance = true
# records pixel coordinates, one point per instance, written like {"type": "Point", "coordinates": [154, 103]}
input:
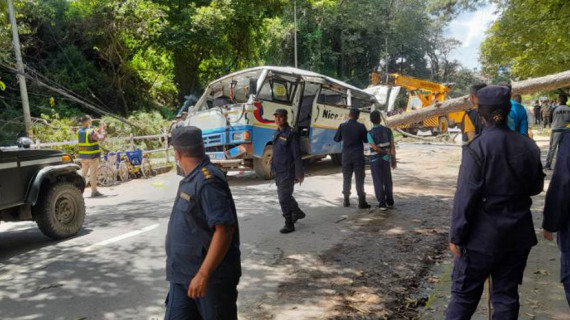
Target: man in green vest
{"type": "Point", "coordinates": [90, 152]}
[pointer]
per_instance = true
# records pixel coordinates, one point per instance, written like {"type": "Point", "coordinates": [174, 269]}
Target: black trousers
{"type": "Point", "coordinates": [218, 304]}
{"type": "Point", "coordinates": [289, 205]}
{"type": "Point", "coordinates": [382, 179]}
{"type": "Point", "coordinates": [348, 169]}
{"type": "Point", "coordinates": [468, 278]}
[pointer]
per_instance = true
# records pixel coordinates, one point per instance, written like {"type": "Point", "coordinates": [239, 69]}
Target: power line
{"type": "Point", "coordinates": [62, 91]}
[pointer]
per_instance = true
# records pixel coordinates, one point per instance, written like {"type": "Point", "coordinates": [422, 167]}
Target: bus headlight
{"type": "Point", "coordinates": [241, 136]}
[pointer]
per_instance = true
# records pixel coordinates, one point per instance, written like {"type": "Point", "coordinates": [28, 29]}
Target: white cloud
{"type": "Point", "coordinates": [469, 28]}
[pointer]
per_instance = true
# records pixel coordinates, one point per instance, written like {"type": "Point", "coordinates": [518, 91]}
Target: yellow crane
{"type": "Point", "coordinates": [421, 94]}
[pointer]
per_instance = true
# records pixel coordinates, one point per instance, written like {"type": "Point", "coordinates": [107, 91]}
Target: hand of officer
{"type": "Point", "coordinates": [455, 249]}
{"type": "Point", "coordinates": [197, 288]}
{"type": "Point", "coordinates": [394, 165]}
{"type": "Point", "coordinates": [548, 235]}
{"type": "Point", "coordinates": [300, 180]}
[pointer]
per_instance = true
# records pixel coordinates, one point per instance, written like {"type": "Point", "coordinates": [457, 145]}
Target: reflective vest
{"type": "Point", "coordinates": [87, 149]}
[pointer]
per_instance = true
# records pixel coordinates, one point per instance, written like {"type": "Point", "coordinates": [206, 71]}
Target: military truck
{"type": "Point", "coordinates": [43, 186]}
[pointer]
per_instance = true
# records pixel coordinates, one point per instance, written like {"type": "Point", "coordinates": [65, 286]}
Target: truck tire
{"type": "Point", "coordinates": [337, 159]}
{"type": "Point", "coordinates": [60, 210]}
{"type": "Point", "coordinates": [262, 166]}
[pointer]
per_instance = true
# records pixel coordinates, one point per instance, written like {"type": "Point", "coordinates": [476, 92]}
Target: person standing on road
{"type": "Point", "coordinates": [353, 135]}
{"type": "Point", "coordinates": [203, 263]}
{"type": "Point", "coordinates": [557, 209]}
{"type": "Point", "coordinates": [381, 141]}
{"type": "Point", "coordinates": [471, 123]}
{"type": "Point", "coordinates": [560, 118]}
{"type": "Point", "coordinates": [537, 112]}
{"type": "Point", "coordinates": [518, 118]}
{"type": "Point", "coordinates": [545, 112]}
{"type": "Point", "coordinates": [90, 151]}
{"type": "Point", "coordinates": [287, 167]}
{"type": "Point", "coordinates": [492, 231]}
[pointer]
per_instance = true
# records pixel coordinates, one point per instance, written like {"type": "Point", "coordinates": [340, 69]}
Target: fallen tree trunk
{"type": "Point", "coordinates": [546, 83]}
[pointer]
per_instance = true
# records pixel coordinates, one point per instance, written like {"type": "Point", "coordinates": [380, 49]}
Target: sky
{"type": "Point", "coordinates": [469, 28]}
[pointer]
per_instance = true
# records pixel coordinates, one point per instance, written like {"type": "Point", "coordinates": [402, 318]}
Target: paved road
{"type": "Point", "coordinates": [115, 268]}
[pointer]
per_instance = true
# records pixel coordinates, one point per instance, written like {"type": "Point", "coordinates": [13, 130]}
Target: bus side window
{"type": "Point", "coordinates": [279, 91]}
{"type": "Point", "coordinates": [332, 98]}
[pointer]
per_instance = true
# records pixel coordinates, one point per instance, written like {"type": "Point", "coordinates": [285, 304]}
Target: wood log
{"type": "Point", "coordinates": [546, 83]}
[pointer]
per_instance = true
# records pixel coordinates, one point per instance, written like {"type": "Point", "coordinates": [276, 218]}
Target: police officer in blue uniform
{"type": "Point", "coordinates": [353, 135]}
{"type": "Point", "coordinates": [557, 209]}
{"type": "Point", "coordinates": [492, 230]}
{"type": "Point", "coordinates": [383, 161]}
{"type": "Point", "coordinates": [202, 243]}
{"type": "Point", "coordinates": [287, 167]}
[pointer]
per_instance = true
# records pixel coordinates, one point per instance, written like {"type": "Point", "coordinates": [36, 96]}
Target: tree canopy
{"type": "Point", "coordinates": [130, 55]}
{"type": "Point", "coordinates": [529, 39]}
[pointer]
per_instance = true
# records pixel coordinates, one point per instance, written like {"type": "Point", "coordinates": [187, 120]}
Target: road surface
{"type": "Point", "coordinates": [340, 263]}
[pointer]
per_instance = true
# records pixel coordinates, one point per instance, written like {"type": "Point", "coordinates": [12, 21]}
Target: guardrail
{"type": "Point", "coordinates": [164, 136]}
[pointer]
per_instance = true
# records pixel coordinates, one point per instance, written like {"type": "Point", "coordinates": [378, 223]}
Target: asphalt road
{"type": "Point", "coordinates": [115, 268]}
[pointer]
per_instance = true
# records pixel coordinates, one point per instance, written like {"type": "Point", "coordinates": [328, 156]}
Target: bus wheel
{"type": "Point", "coordinates": [337, 159]}
{"type": "Point", "coordinates": [262, 166]}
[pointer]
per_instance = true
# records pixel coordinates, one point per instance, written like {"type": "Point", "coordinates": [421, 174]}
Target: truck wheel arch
{"type": "Point", "coordinates": [52, 174]}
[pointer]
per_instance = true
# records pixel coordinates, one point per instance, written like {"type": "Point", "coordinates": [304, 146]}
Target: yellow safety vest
{"type": "Point", "coordinates": [87, 149]}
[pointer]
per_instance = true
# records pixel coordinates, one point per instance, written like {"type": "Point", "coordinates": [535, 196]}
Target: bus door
{"type": "Point", "coordinates": [305, 113]}
{"type": "Point", "coordinates": [329, 111]}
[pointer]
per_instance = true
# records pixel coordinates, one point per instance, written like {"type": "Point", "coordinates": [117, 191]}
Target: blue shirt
{"type": "Point", "coordinates": [518, 119]}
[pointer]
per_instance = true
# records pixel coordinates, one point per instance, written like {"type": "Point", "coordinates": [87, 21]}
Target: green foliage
{"type": "Point", "coordinates": [530, 39]}
{"type": "Point", "coordinates": [139, 58]}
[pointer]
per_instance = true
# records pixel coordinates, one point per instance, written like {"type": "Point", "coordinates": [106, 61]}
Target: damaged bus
{"type": "Point", "coordinates": [235, 114]}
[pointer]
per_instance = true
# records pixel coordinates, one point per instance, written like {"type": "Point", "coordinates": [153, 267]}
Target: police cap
{"type": "Point", "coordinates": [280, 112]}
{"type": "Point", "coordinates": [188, 140]}
{"type": "Point", "coordinates": [494, 96]}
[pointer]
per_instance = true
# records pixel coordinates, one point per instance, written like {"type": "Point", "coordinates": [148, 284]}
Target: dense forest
{"type": "Point", "coordinates": [126, 56]}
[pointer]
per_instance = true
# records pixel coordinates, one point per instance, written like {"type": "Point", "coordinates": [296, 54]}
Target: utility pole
{"type": "Point", "coordinates": [20, 68]}
{"type": "Point", "coordinates": [295, 19]}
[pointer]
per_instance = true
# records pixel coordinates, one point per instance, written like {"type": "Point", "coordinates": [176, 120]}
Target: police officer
{"type": "Point", "coordinates": [353, 134]}
{"type": "Point", "coordinates": [492, 230]}
{"type": "Point", "coordinates": [557, 209]}
{"type": "Point", "coordinates": [202, 243]}
{"type": "Point", "coordinates": [287, 167]}
{"type": "Point", "coordinates": [381, 141]}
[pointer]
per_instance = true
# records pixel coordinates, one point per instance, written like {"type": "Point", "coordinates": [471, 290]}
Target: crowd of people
{"type": "Point", "coordinates": [491, 230]}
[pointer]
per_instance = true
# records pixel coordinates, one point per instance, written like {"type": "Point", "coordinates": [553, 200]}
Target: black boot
{"type": "Point", "coordinates": [362, 204]}
{"type": "Point", "coordinates": [289, 226]}
{"type": "Point", "coordinates": [298, 215]}
{"type": "Point", "coordinates": [346, 202]}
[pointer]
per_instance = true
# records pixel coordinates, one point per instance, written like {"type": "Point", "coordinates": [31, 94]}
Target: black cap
{"type": "Point", "coordinates": [280, 112]}
{"type": "Point", "coordinates": [494, 96]}
{"type": "Point", "coordinates": [188, 139]}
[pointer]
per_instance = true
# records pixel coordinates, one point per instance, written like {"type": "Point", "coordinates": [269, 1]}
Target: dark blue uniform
{"type": "Point", "coordinates": [353, 135]}
{"type": "Point", "coordinates": [491, 220]}
{"type": "Point", "coordinates": [204, 200]}
{"type": "Point", "coordinates": [380, 165]}
{"type": "Point", "coordinates": [287, 166]}
{"type": "Point", "coordinates": [557, 208]}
